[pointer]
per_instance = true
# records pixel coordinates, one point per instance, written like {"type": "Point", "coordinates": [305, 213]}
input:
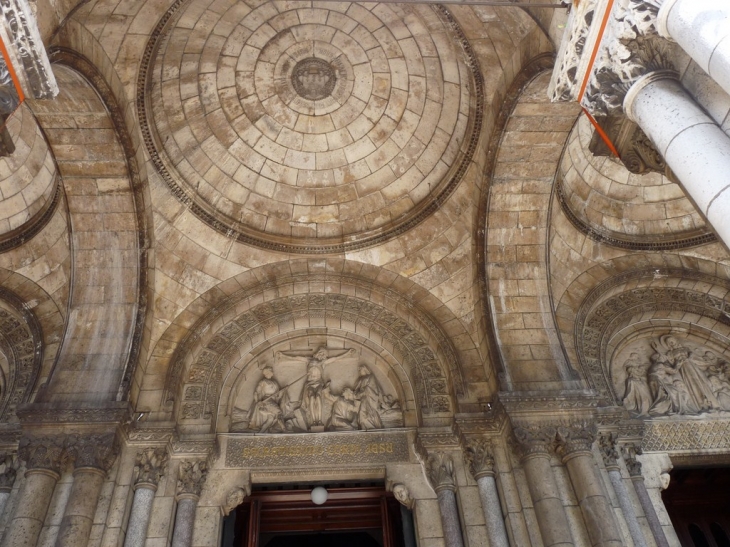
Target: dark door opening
{"type": "Point", "coordinates": [351, 517]}
{"type": "Point", "coordinates": [698, 502]}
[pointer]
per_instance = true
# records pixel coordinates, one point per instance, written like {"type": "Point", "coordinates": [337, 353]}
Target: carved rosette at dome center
{"type": "Point", "coordinates": [310, 129]}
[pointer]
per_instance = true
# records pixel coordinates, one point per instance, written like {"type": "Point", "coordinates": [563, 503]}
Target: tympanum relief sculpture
{"type": "Point", "coordinates": [310, 402]}
{"type": "Point", "coordinates": [673, 377]}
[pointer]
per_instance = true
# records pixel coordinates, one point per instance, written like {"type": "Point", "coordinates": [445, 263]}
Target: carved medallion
{"type": "Point", "coordinates": [313, 79]}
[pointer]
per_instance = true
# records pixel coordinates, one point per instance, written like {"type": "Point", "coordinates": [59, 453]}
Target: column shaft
{"type": "Point", "coordinates": [139, 518]}
{"type": "Point", "coordinates": [626, 508]}
{"type": "Point", "coordinates": [184, 522]}
{"type": "Point", "coordinates": [409, 531]}
{"type": "Point", "coordinates": [597, 512]}
{"type": "Point", "coordinates": [31, 509]}
{"type": "Point", "coordinates": [496, 531]}
{"type": "Point", "coordinates": [80, 508]}
{"type": "Point", "coordinates": [449, 518]}
{"type": "Point", "coordinates": [549, 510]}
{"type": "Point", "coordinates": [3, 500]}
{"type": "Point", "coordinates": [702, 29]}
{"type": "Point", "coordinates": [650, 512]}
{"type": "Point", "coordinates": [695, 148]}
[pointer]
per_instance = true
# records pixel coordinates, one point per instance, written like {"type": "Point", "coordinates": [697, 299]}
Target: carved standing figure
{"type": "Point", "coordinates": [637, 398]}
{"type": "Point", "coordinates": [311, 396]}
{"type": "Point", "coordinates": [670, 394]}
{"type": "Point", "coordinates": [694, 379]}
{"type": "Point", "coordinates": [368, 392]}
{"type": "Point", "coordinates": [265, 414]}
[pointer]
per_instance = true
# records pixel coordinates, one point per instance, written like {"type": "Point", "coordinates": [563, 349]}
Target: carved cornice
{"type": "Point", "coordinates": [149, 435]}
{"type": "Point", "coordinates": [150, 466]}
{"type": "Point", "coordinates": [94, 451]}
{"type": "Point", "coordinates": [440, 472]}
{"type": "Point", "coordinates": [547, 402]}
{"type": "Point", "coordinates": [8, 470]}
{"type": "Point", "coordinates": [492, 421]}
{"type": "Point", "coordinates": [478, 455]}
{"type": "Point", "coordinates": [46, 453]}
{"type": "Point", "coordinates": [575, 440]}
{"type": "Point", "coordinates": [191, 477]}
{"type": "Point", "coordinates": [53, 413]}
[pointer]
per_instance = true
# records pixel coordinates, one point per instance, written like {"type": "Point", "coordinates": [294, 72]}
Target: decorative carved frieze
{"type": "Point", "coordinates": [29, 49]}
{"type": "Point", "coordinates": [478, 455]}
{"type": "Point", "coordinates": [97, 451]}
{"type": "Point", "coordinates": [8, 470]}
{"type": "Point", "coordinates": [609, 450]}
{"type": "Point", "coordinates": [440, 471]}
{"type": "Point", "coordinates": [689, 435]}
{"type": "Point", "coordinates": [191, 477]}
{"type": "Point", "coordinates": [575, 439]}
{"type": "Point", "coordinates": [150, 466]}
{"type": "Point", "coordinates": [43, 452]}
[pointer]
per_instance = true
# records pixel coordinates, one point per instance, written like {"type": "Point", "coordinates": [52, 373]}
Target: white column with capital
{"type": "Point", "coordinates": [691, 143]}
{"type": "Point", "coordinates": [702, 29]}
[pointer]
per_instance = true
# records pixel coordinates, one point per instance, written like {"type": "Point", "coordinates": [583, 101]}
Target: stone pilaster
{"type": "Point", "coordinates": [574, 446]}
{"type": "Point", "coordinates": [191, 477]}
{"type": "Point", "coordinates": [149, 468]}
{"type": "Point", "coordinates": [440, 471]}
{"type": "Point", "coordinates": [43, 457]}
{"type": "Point", "coordinates": [478, 454]}
{"type": "Point", "coordinates": [535, 443]}
{"type": "Point", "coordinates": [93, 456]}
{"type": "Point", "coordinates": [610, 454]}
{"type": "Point", "coordinates": [634, 468]}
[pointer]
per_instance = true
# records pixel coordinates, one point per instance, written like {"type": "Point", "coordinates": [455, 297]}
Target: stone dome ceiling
{"type": "Point", "coordinates": [308, 129]}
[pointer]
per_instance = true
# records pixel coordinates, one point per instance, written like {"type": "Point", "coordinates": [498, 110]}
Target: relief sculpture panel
{"type": "Point", "coordinates": [319, 397]}
{"type": "Point", "coordinates": [668, 376]}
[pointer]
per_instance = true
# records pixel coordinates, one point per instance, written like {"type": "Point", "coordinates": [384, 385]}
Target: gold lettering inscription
{"type": "Point", "coordinates": [304, 451]}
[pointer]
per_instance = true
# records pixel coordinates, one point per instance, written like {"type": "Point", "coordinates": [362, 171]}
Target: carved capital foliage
{"type": "Point", "coordinates": [630, 48]}
{"type": "Point", "coordinates": [534, 440]}
{"type": "Point", "coordinates": [8, 470]}
{"type": "Point", "coordinates": [150, 465]}
{"type": "Point", "coordinates": [191, 477]}
{"type": "Point", "coordinates": [97, 451]}
{"type": "Point", "coordinates": [440, 471]}
{"type": "Point", "coordinates": [633, 465]}
{"type": "Point", "coordinates": [575, 439]}
{"type": "Point", "coordinates": [43, 452]}
{"type": "Point", "coordinates": [609, 450]}
{"type": "Point", "coordinates": [402, 494]}
{"type": "Point", "coordinates": [478, 454]}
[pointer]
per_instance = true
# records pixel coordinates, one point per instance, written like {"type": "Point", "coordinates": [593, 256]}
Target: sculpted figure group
{"type": "Point", "coordinates": [362, 407]}
{"type": "Point", "coordinates": [676, 380]}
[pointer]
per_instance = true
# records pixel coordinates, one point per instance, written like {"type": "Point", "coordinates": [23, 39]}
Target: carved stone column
{"type": "Point", "coordinates": [8, 470]}
{"type": "Point", "coordinates": [441, 476]}
{"type": "Point", "coordinates": [149, 469]}
{"type": "Point", "coordinates": [574, 445]}
{"type": "Point", "coordinates": [43, 467]}
{"type": "Point", "coordinates": [401, 493]}
{"type": "Point", "coordinates": [481, 464]}
{"type": "Point", "coordinates": [93, 456]}
{"type": "Point", "coordinates": [634, 468]}
{"type": "Point", "coordinates": [535, 444]}
{"type": "Point", "coordinates": [609, 452]}
{"type": "Point", "coordinates": [702, 29]}
{"type": "Point", "coordinates": [190, 482]}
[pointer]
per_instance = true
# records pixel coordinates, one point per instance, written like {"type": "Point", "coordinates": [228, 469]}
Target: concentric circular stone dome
{"type": "Point", "coordinates": [299, 127]}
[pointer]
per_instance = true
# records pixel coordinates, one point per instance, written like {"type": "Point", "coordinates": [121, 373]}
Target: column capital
{"type": "Point", "coordinates": [440, 472]}
{"type": "Point", "coordinates": [8, 470]}
{"type": "Point", "coordinates": [478, 455]}
{"type": "Point", "coordinates": [534, 441]}
{"type": "Point", "coordinates": [191, 477]}
{"type": "Point", "coordinates": [150, 467]}
{"type": "Point", "coordinates": [43, 453]}
{"type": "Point", "coordinates": [630, 451]}
{"type": "Point", "coordinates": [607, 445]}
{"type": "Point", "coordinates": [95, 451]}
{"type": "Point", "coordinates": [575, 440]}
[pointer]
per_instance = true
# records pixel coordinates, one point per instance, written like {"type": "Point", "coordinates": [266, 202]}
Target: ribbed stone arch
{"type": "Point", "coordinates": [641, 303]}
{"type": "Point", "coordinates": [403, 318]}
